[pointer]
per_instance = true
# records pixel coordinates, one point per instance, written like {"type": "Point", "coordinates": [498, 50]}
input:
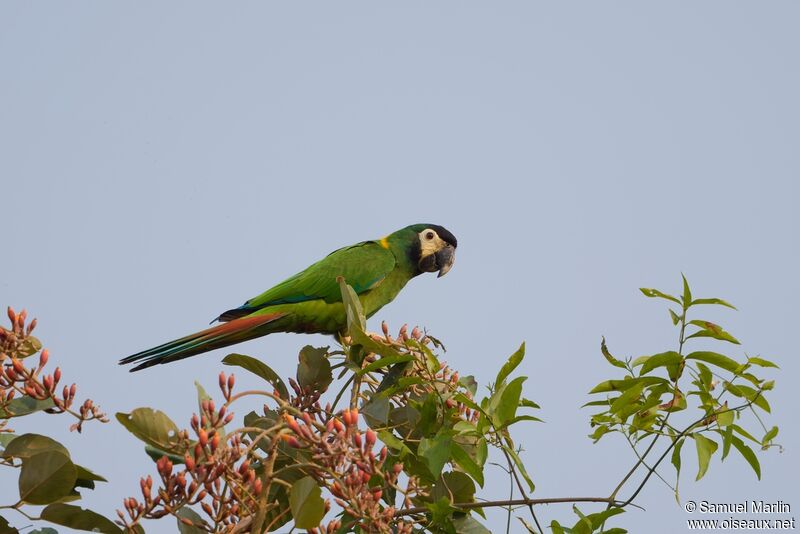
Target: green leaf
{"type": "Point", "coordinates": [202, 395]}
{"type": "Point", "coordinates": [352, 306]}
{"type": "Point", "coordinates": [393, 442]}
{"type": "Point", "coordinates": [29, 347]}
{"type": "Point", "coordinates": [556, 527]}
{"type": "Point", "coordinates": [467, 524]}
{"type": "Point", "coordinates": [520, 467]}
{"type": "Point", "coordinates": [687, 293]}
{"type": "Point", "coordinates": [386, 361]}
{"type": "Point", "coordinates": [527, 403]}
{"type": "Point", "coordinates": [46, 477]}
{"type": "Point", "coordinates": [314, 369]}
{"type": "Point", "coordinates": [79, 518]}
{"type": "Point", "coordinates": [306, 503]}
{"type": "Point", "coordinates": [5, 528]}
{"type": "Point", "coordinates": [611, 359]}
{"type": "Point", "coordinates": [705, 375]}
{"type": "Point", "coordinates": [509, 397]}
{"type": "Point", "coordinates": [435, 452]}
{"type": "Point", "coordinates": [675, 317]}
{"type": "Point", "coordinates": [5, 439]}
{"type": "Point", "coordinates": [456, 486]}
{"type": "Point", "coordinates": [513, 361]}
{"type": "Point", "coordinates": [469, 383]}
{"type": "Point", "coordinates": [629, 396]}
{"type": "Point", "coordinates": [465, 462]}
{"type": "Point", "coordinates": [714, 358]}
{"type": "Point", "coordinates": [676, 456]}
{"type": "Point", "coordinates": [709, 329]}
{"type": "Point", "coordinates": [770, 435]}
{"type": "Point", "coordinates": [376, 411]}
{"type": "Point", "coordinates": [727, 437]}
{"type": "Point", "coordinates": [705, 448]}
{"type": "Point", "coordinates": [725, 416]}
{"type": "Point", "coordinates": [592, 522]}
{"type": "Point", "coordinates": [752, 395]}
{"type": "Point", "coordinates": [713, 301]}
{"type": "Point", "coordinates": [622, 385]}
{"type": "Point", "coordinates": [156, 454]}
{"type": "Point", "coordinates": [656, 293]}
{"type": "Point", "coordinates": [258, 368]}
{"type": "Point", "coordinates": [745, 433]}
{"type": "Point", "coordinates": [748, 455]}
{"type": "Point", "coordinates": [520, 418]}
{"type": "Point", "coordinates": [152, 427]}
{"type": "Point", "coordinates": [25, 405]}
{"type": "Point", "coordinates": [194, 517]}
{"type": "Point", "coordinates": [86, 478]}
{"type": "Point", "coordinates": [761, 362]}
{"type": "Point", "coordinates": [440, 511]}
{"type": "Point", "coordinates": [27, 445]}
{"type": "Point", "coordinates": [662, 359]}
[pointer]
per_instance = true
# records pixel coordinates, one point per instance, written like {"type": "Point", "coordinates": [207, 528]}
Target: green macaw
{"type": "Point", "coordinates": [311, 301]}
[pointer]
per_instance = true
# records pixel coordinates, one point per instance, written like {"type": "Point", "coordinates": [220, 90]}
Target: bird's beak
{"type": "Point", "coordinates": [445, 259]}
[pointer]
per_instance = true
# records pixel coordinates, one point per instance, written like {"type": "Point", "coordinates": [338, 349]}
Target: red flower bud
{"type": "Point", "coordinates": [357, 439]}
{"type": "Point", "coordinates": [371, 437]}
{"type": "Point", "coordinates": [202, 437]}
{"type": "Point", "coordinates": [231, 382]}
{"type": "Point", "coordinates": [43, 357]}
{"type": "Point", "coordinates": [189, 462]}
{"type": "Point", "coordinates": [222, 380]}
{"type": "Point", "coordinates": [57, 375]}
{"type": "Point", "coordinates": [291, 422]}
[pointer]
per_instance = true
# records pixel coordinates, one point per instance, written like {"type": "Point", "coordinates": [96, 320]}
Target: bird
{"type": "Point", "coordinates": [310, 302]}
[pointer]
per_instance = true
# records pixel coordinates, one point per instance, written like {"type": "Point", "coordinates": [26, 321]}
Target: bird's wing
{"type": "Point", "coordinates": [363, 266]}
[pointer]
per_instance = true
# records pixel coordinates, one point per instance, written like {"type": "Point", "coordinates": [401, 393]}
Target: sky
{"type": "Point", "coordinates": [163, 162]}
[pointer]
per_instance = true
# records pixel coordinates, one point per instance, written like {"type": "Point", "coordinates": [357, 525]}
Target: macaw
{"type": "Point", "coordinates": [311, 300]}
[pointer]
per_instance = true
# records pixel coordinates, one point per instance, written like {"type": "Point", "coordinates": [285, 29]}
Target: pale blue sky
{"type": "Point", "coordinates": [160, 163]}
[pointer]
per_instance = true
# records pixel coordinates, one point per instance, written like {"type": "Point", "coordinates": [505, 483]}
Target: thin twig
{"type": "Point", "coordinates": [516, 502]}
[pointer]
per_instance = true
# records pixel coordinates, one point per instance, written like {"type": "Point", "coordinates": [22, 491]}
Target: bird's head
{"type": "Point", "coordinates": [430, 247]}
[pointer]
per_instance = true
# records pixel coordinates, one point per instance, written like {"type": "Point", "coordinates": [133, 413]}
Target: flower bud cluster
{"type": "Point", "coordinates": [217, 474]}
{"type": "Point", "coordinates": [19, 379]}
{"type": "Point", "coordinates": [357, 475]}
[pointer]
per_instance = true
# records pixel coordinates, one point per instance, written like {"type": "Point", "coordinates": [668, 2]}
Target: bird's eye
{"type": "Point", "coordinates": [429, 235]}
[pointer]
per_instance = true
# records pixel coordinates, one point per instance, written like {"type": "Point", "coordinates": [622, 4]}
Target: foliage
{"type": "Point", "coordinates": [381, 435]}
{"type": "Point", "coordinates": [47, 475]}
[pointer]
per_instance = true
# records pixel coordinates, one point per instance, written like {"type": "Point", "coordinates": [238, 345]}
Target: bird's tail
{"type": "Point", "coordinates": [212, 338]}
